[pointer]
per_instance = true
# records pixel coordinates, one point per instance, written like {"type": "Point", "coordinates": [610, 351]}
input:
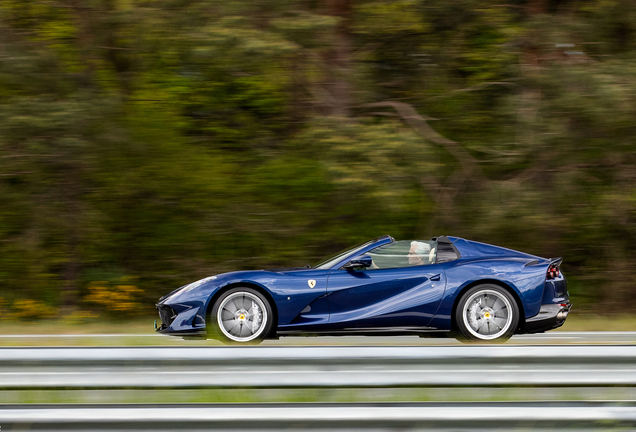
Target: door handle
{"type": "Point", "coordinates": [435, 278]}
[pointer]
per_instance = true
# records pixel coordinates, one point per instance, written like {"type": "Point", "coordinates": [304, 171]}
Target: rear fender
{"type": "Point", "coordinates": [525, 282]}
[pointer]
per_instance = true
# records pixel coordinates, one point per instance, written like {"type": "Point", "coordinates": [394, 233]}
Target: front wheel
{"type": "Point", "coordinates": [487, 313]}
{"type": "Point", "coordinates": [241, 316]}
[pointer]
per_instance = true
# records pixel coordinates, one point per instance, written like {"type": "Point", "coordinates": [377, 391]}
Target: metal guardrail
{"type": "Point", "coordinates": [306, 366]}
{"type": "Point", "coordinates": [377, 417]}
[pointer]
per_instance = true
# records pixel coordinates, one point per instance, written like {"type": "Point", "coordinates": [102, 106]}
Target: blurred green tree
{"type": "Point", "coordinates": [167, 140]}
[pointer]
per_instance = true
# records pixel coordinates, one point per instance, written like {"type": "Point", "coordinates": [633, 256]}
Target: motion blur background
{"type": "Point", "coordinates": [148, 143]}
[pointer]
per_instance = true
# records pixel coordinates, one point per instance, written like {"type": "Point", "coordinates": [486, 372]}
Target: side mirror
{"type": "Point", "coordinates": [359, 261]}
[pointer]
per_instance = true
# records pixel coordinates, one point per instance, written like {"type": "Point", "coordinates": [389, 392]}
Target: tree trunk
{"type": "Point", "coordinates": [338, 59]}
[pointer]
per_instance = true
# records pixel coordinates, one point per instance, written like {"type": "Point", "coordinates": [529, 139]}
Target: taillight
{"type": "Point", "coordinates": [553, 272]}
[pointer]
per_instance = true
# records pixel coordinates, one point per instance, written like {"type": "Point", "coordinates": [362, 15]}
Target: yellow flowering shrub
{"type": "Point", "coordinates": [121, 298]}
{"type": "Point", "coordinates": [4, 313]}
{"type": "Point", "coordinates": [28, 309]}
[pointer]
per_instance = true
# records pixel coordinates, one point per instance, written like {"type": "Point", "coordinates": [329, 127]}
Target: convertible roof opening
{"type": "Point", "coordinates": [441, 239]}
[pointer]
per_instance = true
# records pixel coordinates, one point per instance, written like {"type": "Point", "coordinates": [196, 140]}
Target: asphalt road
{"type": "Point", "coordinates": [552, 338]}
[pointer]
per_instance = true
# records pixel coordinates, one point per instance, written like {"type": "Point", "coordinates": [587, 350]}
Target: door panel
{"type": "Point", "coordinates": [398, 297]}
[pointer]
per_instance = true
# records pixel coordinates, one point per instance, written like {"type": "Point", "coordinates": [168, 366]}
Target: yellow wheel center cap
{"type": "Point", "coordinates": [487, 314]}
{"type": "Point", "coordinates": [241, 317]}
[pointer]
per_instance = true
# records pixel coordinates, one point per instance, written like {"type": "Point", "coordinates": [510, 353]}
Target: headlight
{"type": "Point", "coordinates": [193, 285]}
{"type": "Point", "coordinates": [190, 287]}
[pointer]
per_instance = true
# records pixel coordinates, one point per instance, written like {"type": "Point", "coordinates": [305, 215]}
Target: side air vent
{"type": "Point", "coordinates": [167, 315]}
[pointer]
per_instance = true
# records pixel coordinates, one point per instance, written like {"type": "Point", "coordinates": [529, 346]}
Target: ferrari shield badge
{"type": "Point", "coordinates": [311, 283]}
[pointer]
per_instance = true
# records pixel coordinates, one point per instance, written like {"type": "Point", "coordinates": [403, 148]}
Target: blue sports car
{"type": "Point", "coordinates": [446, 285]}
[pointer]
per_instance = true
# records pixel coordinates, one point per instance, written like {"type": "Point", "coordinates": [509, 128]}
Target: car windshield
{"type": "Point", "coordinates": [329, 262]}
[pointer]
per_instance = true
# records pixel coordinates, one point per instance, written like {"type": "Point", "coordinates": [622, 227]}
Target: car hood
{"type": "Point", "coordinates": [211, 283]}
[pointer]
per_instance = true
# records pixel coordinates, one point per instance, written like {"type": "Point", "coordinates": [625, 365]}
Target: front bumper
{"type": "Point", "coordinates": [549, 317]}
{"type": "Point", "coordinates": [180, 320]}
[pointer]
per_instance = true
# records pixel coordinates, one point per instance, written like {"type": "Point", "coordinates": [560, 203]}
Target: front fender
{"type": "Point", "coordinates": [290, 290]}
{"type": "Point", "coordinates": [190, 306]}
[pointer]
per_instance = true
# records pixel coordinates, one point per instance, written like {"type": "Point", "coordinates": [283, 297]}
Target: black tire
{"type": "Point", "coordinates": [242, 316]}
{"type": "Point", "coordinates": [486, 313]}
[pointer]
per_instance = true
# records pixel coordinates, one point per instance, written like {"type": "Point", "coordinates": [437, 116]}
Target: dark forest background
{"type": "Point", "coordinates": [147, 143]}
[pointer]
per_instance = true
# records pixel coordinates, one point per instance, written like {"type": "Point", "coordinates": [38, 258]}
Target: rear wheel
{"type": "Point", "coordinates": [487, 313]}
{"type": "Point", "coordinates": [241, 316]}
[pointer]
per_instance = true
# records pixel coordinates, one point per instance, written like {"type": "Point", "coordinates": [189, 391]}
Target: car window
{"type": "Point", "coordinates": [404, 253]}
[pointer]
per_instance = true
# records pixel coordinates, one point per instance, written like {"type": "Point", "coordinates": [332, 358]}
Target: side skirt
{"type": "Point", "coordinates": [415, 331]}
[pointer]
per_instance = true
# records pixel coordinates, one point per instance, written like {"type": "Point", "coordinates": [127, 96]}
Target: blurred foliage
{"type": "Point", "coordinates": [30, 310]}
{"type": "Point", "coordinates": [121, 298]}
{"type": "Point", "coordinates": [172, 139]}
{"type": "Point", "coordinates": [4, 312]}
